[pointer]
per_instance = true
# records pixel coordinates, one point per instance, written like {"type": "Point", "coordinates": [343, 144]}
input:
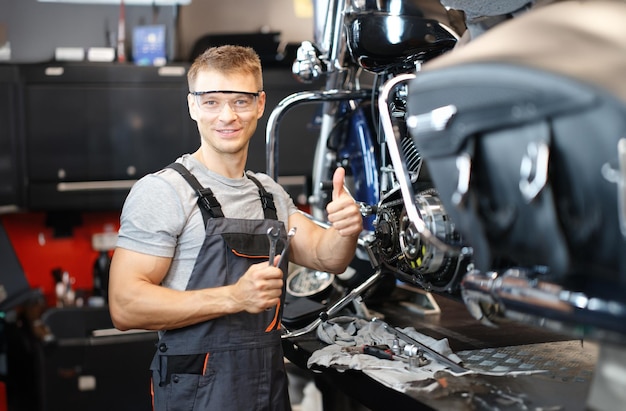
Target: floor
{"type": "Point", "coordinates": [311, 399]}
{"type": "Point", "coordinates": [305, 396]}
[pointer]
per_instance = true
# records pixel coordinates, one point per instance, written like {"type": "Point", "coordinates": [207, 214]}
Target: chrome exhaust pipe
{"type": "Point", "coordinates": [520, 295]}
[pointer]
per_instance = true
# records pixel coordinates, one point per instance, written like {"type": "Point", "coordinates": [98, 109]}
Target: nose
{"type": "Point", "coordinates": [227, 113]}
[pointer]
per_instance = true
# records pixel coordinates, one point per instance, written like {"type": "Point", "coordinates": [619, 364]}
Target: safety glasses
{"type": "Point", "coordinates": [213, 101]}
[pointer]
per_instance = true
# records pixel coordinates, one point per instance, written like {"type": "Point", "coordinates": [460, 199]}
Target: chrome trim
{"type": "Point", "coordinates": [464, 166]}
{"type": "Point", "coordinates": [435, 120]}
{"type": "Point", "coordinates": [392, 138]}
{"type": "Point", "coordinates": [621, 185]}
{"type": "Point", "coordinates": [534, 170]}
{"type": "Point", "coordinates": [520, 296]}
{"type": "Point", "coordinates": [353, 295]}
{"type": "Point", "coordinates": [307, 66]}
{"type": "Point", "coordinates": [302, 97]}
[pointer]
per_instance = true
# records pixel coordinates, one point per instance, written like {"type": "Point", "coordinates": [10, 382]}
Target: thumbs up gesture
{"type": "Point", "coordinates": [343, 213]}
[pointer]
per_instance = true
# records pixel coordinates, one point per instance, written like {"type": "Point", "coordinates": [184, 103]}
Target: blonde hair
{"type": "Point", "coordinates": [227, 59]}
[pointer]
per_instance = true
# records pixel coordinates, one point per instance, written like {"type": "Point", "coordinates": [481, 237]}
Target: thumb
{"type": "Point", "coordinates": [338, 179]}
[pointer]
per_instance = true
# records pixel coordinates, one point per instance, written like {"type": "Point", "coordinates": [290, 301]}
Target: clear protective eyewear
{"type": "Point", "coordinates": [213, 101]}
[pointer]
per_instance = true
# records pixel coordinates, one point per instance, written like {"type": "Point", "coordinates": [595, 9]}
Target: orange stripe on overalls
{"type": "Point", "coordinates": [272, 325]}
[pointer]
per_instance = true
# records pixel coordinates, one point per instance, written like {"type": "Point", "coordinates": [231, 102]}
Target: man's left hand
{"type": "Point", "coordinates": [343, 212]}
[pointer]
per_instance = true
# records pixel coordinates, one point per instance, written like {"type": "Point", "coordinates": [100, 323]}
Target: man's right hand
{"type": "Point", "coordinates": [259, 288]}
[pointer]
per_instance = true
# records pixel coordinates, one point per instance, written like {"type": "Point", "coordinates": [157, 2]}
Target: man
{"type": "Point", "coordinates": [197, 270]}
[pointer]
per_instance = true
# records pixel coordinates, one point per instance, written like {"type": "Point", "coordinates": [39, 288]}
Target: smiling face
{"type": "Point", "coordinates": [226, 132]}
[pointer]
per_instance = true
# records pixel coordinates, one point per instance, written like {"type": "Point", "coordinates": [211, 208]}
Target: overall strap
{"type": "Point", "coordinates": [267, 199]}
{"type": "Point", "coordinates": [209, 206]}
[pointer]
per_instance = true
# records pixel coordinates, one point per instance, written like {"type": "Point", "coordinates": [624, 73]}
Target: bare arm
{"type": "Point", "coordinates": [331, 249]}
{"type": "Point", "coordinates": [137, 300]}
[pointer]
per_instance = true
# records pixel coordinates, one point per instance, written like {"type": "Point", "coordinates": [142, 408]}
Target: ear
{"type": "Point", "coordinates": [261, 105]}
{"type": "Point", "coordinates": [193, 108]}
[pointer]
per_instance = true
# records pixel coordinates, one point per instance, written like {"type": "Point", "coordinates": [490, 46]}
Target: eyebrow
{"type": "Point", "coordinates": [248, 93]}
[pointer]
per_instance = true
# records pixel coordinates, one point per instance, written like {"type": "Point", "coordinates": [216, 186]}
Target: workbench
{"type": "Point", "coordinates": [566, 364]}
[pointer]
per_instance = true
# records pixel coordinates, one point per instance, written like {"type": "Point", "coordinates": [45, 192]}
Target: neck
{"type": "Point", "coordinates": [225, 165]}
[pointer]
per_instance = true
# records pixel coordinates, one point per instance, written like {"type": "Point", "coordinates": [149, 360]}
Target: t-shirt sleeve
{"type": "Point", "coordinates": [152, 217]}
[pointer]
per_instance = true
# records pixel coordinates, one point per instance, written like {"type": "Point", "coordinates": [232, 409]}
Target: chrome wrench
{"type": "Point", "coordinates": [272, 235]}
{"type": "Point", "coordinates": [290, 234]}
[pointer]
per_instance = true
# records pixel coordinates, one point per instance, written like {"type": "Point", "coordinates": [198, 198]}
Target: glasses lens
{"type": "Point", "coordinates": [214, 102]}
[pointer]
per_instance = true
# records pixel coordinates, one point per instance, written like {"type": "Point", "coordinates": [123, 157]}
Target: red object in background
{"type": "Point", "coordinates": [3, 397]}
{"type": "Point", "coordinates": [40, 252]}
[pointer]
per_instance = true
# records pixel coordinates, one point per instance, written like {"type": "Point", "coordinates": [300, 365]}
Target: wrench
{"type": "Point", "coordinates": [272, 235]}
{"type": "Point", "coordinates": [290, 234]}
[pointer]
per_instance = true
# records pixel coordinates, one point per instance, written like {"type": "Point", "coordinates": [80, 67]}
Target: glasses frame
{"type": "Point", "coordinates": [196, 94]}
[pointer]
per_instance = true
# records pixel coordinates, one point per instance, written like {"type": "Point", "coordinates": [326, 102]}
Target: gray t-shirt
{"type": "Point", "coordinates": [161, 217]}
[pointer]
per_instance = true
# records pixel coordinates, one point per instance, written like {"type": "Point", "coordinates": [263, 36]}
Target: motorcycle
{"type": "Point", "coordinates": [477, 179]}
{"type": "Point", "coordinates": [368, 51]}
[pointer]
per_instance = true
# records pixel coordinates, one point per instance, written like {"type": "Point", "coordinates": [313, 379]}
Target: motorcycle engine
{"type": "Point", "coordinates": [399, 247]}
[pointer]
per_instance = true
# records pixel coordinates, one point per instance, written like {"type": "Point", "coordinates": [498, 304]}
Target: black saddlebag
{"type": "Point", "coordinates": [523, 131]}
{"type": "Point", "coordinates": [527, 164]}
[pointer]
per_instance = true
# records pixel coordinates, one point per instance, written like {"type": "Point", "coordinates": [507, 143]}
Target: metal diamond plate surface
{"type": "Point", "coordinates": [566, 361]}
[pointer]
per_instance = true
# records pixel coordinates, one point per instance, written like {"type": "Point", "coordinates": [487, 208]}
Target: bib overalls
{"type": "Point", "coordinates": [234, 362]}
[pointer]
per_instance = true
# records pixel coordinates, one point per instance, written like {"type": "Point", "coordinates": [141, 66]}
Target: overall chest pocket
{"type": "Point", "coordinates": [250, 245]}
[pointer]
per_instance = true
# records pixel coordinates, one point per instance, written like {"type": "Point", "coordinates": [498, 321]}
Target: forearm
{"type": "Point", "coordinates": [138, 300]}
{"type": "Point", "coordinates": [324, 249]}
{"type": "Point", "coordinates": [153, 307]}
{"type": "Point", "coordinates": [336, 252]}
{"type": "Point", "coordinates": [333, 252]}
{"type": "Point", "coordinates": [331, 249]}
